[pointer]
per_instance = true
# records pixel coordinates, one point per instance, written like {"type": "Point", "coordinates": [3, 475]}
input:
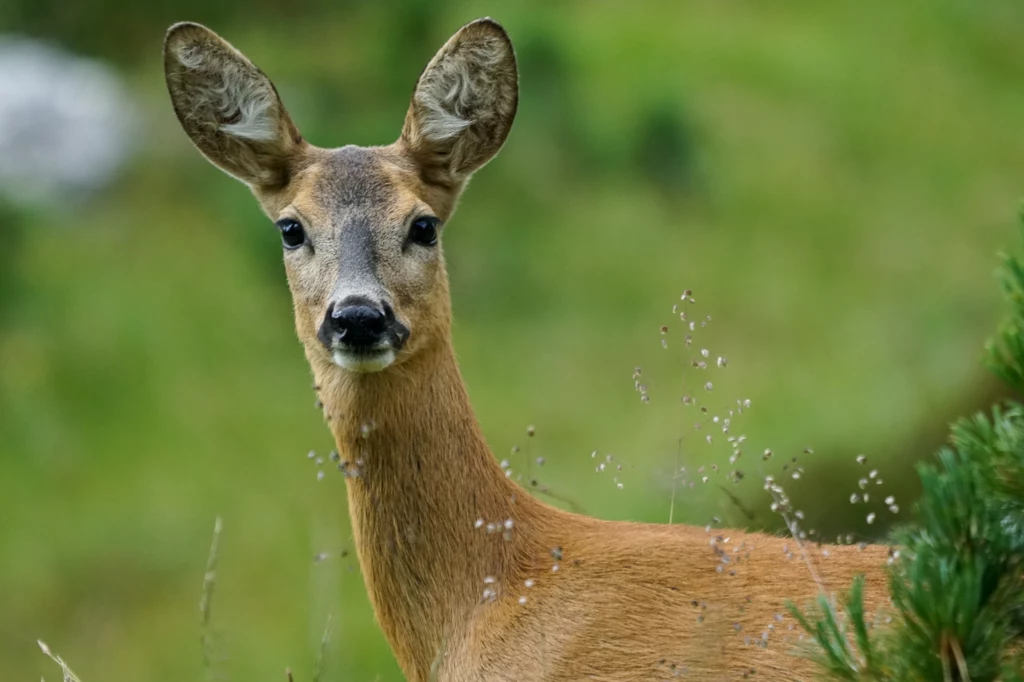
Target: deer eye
{"type": "Point", "coordinates": [292, 234]}
{"type": "Point", "coordinates": [423, 231]}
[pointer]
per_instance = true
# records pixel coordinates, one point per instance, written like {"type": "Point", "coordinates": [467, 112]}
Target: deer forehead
{"type": "Point", "coordinates": [353, 183]}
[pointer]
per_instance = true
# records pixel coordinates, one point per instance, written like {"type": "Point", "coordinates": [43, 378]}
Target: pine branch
{"type": "Point", "coordinates": [959, 588]}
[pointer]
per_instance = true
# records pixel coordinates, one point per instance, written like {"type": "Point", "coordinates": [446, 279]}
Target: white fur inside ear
{"type": "Point", "coordinates": [439, 123]}
{"type": "Point", "coordinates": [458, 85]}
{"type": "Point", "coordinates": [232, 90]}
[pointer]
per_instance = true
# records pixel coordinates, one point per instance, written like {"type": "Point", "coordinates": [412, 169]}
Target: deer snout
{"type": "Point", "coordinates": [354, 323]}
{"type": "Point", "coordinates": [361, 335]}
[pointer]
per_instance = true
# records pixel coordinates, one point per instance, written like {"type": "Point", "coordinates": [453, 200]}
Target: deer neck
{"type": "Point", "coordinates": [419, 475]}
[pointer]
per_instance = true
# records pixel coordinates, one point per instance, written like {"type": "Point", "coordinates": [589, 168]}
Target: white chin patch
{"type": "Point", "coordinates": [373, 361]}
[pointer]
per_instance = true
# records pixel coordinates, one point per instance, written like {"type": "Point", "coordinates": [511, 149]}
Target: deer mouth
{"type": "Point", "coordinates": [362, 359]}
{"type": "Point", "coordinates": [364, 355]}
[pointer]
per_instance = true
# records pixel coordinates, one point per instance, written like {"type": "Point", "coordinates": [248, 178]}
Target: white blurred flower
{"type": "Point", "coordinates": [66, 123]}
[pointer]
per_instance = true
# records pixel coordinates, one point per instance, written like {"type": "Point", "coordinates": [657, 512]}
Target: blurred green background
{"type": "Point", "coordinates": [832, 180]}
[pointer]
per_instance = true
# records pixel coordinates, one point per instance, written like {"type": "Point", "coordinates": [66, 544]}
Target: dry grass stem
{"type": "Point", "coordinates": [206, 600]}
{"type": "Point", "coordinates": [69, 675]}
{"type": "Point", "coordinates": [318, 665]}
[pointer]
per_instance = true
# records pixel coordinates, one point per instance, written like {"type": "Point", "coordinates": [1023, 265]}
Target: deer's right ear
{"type": "Point", "coordinates": [464, 103]}
{"type": "Point", "coordinates": [229, 109]}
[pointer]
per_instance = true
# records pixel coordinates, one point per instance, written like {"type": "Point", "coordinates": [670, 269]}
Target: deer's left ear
{"type": "Point", "coordinates": [229, 109]}
{"type": "Point", "coordinates": [464, 103]}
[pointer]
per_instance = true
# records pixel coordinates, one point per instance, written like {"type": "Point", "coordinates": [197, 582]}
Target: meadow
{"type": "Point", "coordinates": [831, 182]}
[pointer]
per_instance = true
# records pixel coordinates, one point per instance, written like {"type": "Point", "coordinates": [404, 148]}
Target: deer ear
{"type": "Point", "coordinates": [464, 103]}
{"type": "Point", "coordinates": [229, 109]}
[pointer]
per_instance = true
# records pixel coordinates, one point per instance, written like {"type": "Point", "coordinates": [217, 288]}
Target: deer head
{"type": "Point", "coordinates": [360, 226]}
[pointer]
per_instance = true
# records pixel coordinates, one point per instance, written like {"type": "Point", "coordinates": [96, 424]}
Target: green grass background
{"type": "Point", "coordinates": [832, 180]}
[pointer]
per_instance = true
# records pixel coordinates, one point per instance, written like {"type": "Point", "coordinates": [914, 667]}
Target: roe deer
{"type": "Point", "coordinates": [552, 595]}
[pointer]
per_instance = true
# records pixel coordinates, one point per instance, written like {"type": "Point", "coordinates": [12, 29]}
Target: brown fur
{"type": "Point", "coordinates": [607, 601]}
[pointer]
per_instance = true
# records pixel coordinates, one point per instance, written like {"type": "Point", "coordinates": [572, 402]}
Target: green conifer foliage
{"type": "Point", "coordinates": [957, 578]}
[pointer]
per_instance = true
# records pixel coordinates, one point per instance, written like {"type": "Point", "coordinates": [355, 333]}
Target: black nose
{"type": "Point", "coordinates": [355, 324]}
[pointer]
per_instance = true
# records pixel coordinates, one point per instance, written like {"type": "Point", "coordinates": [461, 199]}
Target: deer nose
{"type": "Point", "coordinates": [355, 323]}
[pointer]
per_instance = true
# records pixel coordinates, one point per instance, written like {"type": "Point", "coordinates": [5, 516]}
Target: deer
{"type": "Point", "coordinates": [538, 593]}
